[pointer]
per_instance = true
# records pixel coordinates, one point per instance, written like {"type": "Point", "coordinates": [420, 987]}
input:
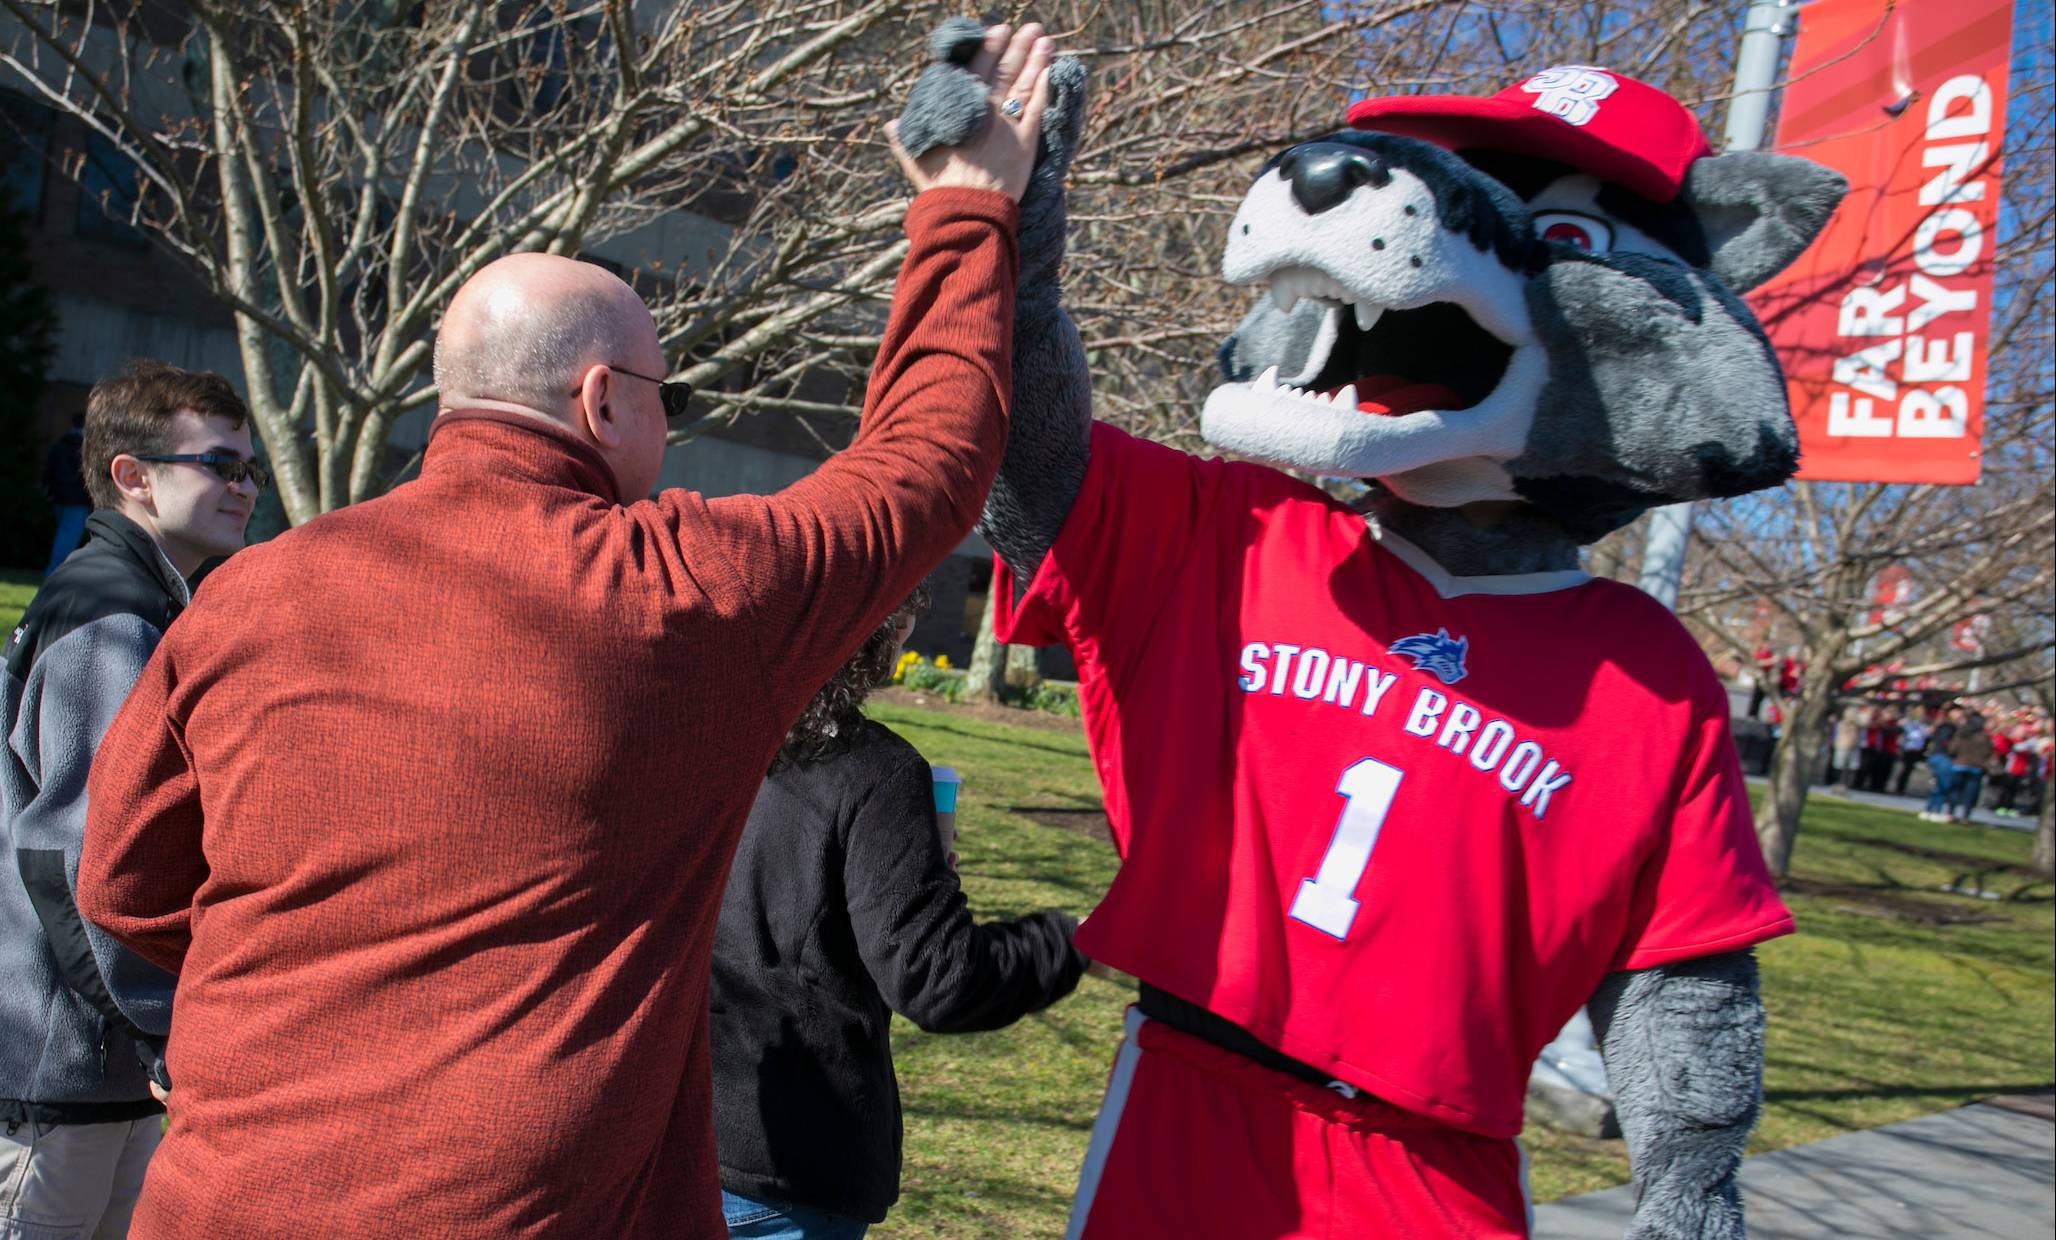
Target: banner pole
{"type": "Point", "coordinates": [1756, 73]}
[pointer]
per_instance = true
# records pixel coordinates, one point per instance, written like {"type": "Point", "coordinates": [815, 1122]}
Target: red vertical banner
{"type": "Point", "coordinates": [1883, 323]}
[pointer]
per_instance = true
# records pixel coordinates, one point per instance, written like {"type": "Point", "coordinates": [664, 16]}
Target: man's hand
{"type": "Point", "coordinates": [1001, 154]}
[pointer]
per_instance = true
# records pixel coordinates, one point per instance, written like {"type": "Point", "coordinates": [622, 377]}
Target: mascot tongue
{"type": "Point", "coordinates": [1393, 395]}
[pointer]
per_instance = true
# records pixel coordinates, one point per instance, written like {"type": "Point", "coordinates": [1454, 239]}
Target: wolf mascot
{"type": "Point", "coordinates": [1396, 787]}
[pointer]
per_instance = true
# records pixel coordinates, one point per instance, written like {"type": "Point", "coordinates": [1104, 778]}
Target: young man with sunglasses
{"type": "Point", "coordinates": [166, 462]}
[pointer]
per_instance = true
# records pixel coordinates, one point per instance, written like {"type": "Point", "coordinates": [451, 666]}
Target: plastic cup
{"type": "Point", "coordinates": [947, 782]}
{"type": "Point", "coordinates": [946, 786]}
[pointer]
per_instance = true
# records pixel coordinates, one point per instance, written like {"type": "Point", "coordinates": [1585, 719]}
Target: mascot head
{"type": "Point", "coordinates": [1525, 297]}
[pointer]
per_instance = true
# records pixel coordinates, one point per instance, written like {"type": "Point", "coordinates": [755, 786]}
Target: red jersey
{"type": "Point", "coordinates": [1395, 823]}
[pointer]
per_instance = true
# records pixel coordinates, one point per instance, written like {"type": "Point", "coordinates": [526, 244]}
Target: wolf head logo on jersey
{"type": "Point", "coordinates": [1437, 654]}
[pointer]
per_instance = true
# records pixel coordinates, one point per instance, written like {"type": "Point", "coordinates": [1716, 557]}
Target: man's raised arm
{"type": "Point", "coordinates": [825, 559]}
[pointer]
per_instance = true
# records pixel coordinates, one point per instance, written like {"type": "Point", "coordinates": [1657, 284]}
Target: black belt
{"type": "Point", "coordinates": [1193, 1019]}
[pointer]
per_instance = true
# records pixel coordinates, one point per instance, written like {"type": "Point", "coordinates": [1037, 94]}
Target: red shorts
{"type": "Point", "coordinates": [1197, 1141]}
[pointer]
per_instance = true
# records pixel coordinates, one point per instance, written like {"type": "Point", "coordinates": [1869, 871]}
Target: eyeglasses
{"type": "Point", "coordinates": [674, 393]}
{"type": "Point", "coordinates": [230, 469]}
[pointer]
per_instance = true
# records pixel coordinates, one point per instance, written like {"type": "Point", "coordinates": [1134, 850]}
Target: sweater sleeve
{"type": "Point", "coordinates": [824, 560]}
{"type": "Point", "coordinates": [72, 693]}
{"type": "Point", "coordinates": [914, 930]}
{"type": "Point", "coordinates": [142, 861]}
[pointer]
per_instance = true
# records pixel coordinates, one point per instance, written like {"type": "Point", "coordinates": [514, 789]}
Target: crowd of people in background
{"type": "Point", "coordinates": [1968, 748]}
{"type": "Point", "coordinates": [1974, 750]}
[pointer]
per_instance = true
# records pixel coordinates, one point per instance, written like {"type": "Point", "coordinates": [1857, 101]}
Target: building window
{"type": "Point", "coordinates": [109, 184]}
{"type": "Point", "coordinates": [24, 153]}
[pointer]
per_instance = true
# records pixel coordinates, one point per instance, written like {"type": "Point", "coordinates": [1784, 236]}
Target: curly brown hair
{"type": "Point", "coordinates": [831, 718]}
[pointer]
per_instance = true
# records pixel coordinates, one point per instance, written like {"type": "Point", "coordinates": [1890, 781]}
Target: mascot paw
{"type": "Point", "coordinates": [949, 104]}
{"type": "Point", "coordinates": [1042, 206]}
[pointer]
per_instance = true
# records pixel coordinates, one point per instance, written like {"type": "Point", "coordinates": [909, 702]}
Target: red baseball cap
{"type": "Point", "coordinates": [1595, 120]}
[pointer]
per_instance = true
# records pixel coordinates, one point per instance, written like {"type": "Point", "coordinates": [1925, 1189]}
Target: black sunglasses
{"type": "Point", "coordinates": [674, 393]}
{"type": "Point", "coordinates": [230, 469]}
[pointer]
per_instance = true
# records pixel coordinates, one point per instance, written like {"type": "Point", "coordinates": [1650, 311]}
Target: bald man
{"type": "Point", "coordinates": [429, 802]}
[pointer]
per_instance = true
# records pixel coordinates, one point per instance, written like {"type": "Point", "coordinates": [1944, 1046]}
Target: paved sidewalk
{"type": "Point", "coordinates": [1984, 1170]}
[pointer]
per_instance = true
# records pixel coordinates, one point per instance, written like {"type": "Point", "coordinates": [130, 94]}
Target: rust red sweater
{"type": "Point", "coordinates": [430, 801]}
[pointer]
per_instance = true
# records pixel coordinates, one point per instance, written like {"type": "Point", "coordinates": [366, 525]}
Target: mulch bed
{"type": "Point", "coordinates": [985, 711]}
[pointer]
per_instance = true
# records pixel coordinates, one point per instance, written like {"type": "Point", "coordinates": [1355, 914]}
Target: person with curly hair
{"type": "Point", "coordinates": [843, 907]}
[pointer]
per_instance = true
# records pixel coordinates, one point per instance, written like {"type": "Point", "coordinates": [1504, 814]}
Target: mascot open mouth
{"type": "Point", "coordinates": [1396, 319]}
{"type": "Point", "coordinates": [1387, 361]}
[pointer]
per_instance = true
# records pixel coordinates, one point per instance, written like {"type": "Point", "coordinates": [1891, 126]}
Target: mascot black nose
{"type": "Point", "coordinates": [1323, 174]}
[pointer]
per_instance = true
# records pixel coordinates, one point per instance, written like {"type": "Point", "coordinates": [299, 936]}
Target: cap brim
{"type": "Point", "coordinates": [1469, 122]}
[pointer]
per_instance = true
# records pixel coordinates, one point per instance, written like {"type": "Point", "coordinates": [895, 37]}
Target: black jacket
{"type": "Point", "coordinates": [81, 1017]}
{"type": "Point", "coordinates": [841, 906]}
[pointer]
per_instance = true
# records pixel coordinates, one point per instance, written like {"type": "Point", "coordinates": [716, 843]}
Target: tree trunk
{"type": "Point", "coordinates": [1792, 769]}
{"type": "Point", "coordinates": [2044, 861]}
{"type": "Point", "coordinates": [1024, 671]}
{"type": "Point", "coordinates": [986, 679]}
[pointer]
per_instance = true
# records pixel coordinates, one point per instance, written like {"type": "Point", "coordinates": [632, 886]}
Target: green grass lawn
{"type": "Point", "coordinates": [1894, 1000]}
{"type": "Point", "coordinates": [17, 587]}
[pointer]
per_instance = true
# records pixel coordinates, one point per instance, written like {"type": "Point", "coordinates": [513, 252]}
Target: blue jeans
{"type": "Point", "coordinates": [750, 1219]}
{"type": "Point", "coordinates": [1944, 772]}
{"type": "Point", "coordinates": [71, 526]}
{"type": "Point", "coordinates": [1964, 785]}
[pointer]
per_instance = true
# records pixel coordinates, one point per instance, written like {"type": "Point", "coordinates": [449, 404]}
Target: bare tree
{"type": "Point", "coordinates": [1810, 552]}
{"type": "Point", "coordinates": [2043, 858]}
{"type": "Point", "coordinates": [332, 171]}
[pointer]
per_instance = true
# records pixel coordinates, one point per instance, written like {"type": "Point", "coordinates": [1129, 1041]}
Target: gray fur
{"type": "Point", "coordinates": [949, 104]}
{"type": "Point", "coordinates": [1661, 388]}
{"type": "Point", "coordinates": [1515, 538]}
{"type": "Point", "coordinates": [1759, 211]}
{"type": "Point", "coordinates": [1046, 451]}
{"type": "Point", "coordinates": [955, 41]}
{"type": "Point", "coordinates": [1683, 1046]}
{"type": "Point", "coordinates": [1266, 337]}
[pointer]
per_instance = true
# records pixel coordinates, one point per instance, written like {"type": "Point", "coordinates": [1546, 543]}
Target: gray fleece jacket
{"type": "Point", "coordinates": [82, 1019]}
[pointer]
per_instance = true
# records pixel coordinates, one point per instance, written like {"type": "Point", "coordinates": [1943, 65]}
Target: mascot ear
{"type": "Point", "coordinates": [1759, 211]}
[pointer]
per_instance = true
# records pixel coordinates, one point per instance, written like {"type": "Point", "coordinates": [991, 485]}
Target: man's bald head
{"type": "Point", "coordinates": [559, 339]}
{"type": "Point", "coordinates": [526, 328]}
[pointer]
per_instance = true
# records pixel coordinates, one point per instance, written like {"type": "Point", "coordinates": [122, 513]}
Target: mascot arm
{"type": "Point", "coordinates": [1048, 427]}
{"type": "Point", "coordinates": [1683, 1045]}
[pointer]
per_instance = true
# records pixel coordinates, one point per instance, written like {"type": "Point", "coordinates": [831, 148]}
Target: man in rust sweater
{"type": "Point", "coordinates": [429, 802]}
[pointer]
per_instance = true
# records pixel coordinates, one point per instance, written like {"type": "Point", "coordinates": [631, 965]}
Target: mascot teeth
{"type": "Point", "coordinates": [1268, 382]}
{"type": "Point", "coordinates": [1289, 285]}
{"type": "Point", "coordinates": [1367, 315]}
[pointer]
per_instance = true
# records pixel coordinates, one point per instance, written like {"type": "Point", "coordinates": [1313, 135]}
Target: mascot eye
{"type": "Point", "coordinates": [1585, 232]}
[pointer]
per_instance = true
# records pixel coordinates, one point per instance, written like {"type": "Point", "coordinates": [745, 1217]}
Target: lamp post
{"type": "Point", "coordinates": [1764, 32]}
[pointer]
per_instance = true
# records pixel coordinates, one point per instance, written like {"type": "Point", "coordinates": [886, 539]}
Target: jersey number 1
{"type": "Point", "coordinates": [1325, 901]}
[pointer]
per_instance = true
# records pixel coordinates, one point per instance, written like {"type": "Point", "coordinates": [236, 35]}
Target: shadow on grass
{"type": "Point", "coordinates": [1986, 1089]}
{"type": "Point", "coordinates": [1010, 1115]}
{"type": "Point", "coordinates": [1012, 740]}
